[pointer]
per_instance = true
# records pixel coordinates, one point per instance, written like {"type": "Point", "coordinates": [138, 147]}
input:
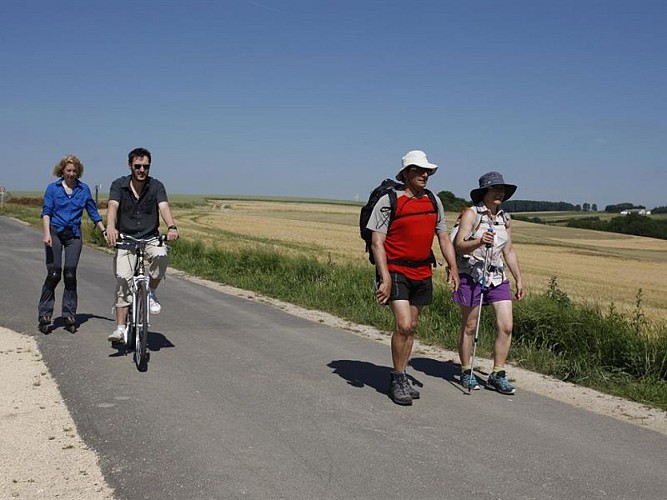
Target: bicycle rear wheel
{"type": "Point", "coordinates": [141, 328]}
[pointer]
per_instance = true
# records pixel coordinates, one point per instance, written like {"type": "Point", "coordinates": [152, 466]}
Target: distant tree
{"type": "Point", "coordinates": [537, 206]}
{"type": "Point", "coordinates": [638, 225]}
{"type": "Point", "coordinates": [594, 207]}
{"type": "Point", "coordinates": [451, 202]}
{"type": "Point", "coordinates": [618, 208]}
{"type": "Point", "coordinates": [586, 207]}
{"type": "Point", "coordinates": [659, 210]}
{"type": "Point", "coordinates": [577, 207]}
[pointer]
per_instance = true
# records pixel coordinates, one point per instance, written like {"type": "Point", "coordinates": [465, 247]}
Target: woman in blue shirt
{"type": "Point", "coordinates": [64, 202]}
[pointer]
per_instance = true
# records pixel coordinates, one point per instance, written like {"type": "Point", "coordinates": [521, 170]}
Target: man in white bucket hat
{"type": "Point", "coordinates": [403, 223]}
{"type": "Point", "coordinates": [415, 158]}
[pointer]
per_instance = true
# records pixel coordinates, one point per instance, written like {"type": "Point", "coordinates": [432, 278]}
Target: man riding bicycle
{"type": "Point", "coordinates": [136, 202]}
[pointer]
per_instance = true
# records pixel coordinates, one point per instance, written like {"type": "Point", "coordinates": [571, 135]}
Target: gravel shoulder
{"type": "Point", "coordinates": [43, 456]}
{"type": "Point", "coordinates": [41, 453]}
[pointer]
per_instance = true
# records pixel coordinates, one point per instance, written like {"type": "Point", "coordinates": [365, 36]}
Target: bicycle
{"type": "Point", "coordinates": [138, 316]}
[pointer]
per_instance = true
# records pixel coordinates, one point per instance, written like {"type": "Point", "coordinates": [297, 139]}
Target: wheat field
{"type": "Point", "coordinates": [592, 266]}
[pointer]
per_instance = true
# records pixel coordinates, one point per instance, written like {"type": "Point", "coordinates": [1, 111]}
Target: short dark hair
{"type": "Point", "coordinates": [138, 153]}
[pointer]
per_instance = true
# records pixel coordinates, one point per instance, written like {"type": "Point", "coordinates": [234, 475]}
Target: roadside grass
{"type": "Point", "coordinates": [621, 352]}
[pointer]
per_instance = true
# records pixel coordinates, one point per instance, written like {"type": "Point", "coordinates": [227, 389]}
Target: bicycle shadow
{"type": "Point", "coordinates": [156, 341]}
{"type": "Point", "coordinates": [364, 374]}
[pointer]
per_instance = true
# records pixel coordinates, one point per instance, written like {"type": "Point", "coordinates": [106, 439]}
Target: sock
{"type": "Point", "coordinates": [465, 368]}
{"type": "Point", "coordinates": [497, 369]}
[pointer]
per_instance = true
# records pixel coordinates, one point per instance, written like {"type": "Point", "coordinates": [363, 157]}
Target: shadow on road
{"type": "Point", "coordinates": [81, 319]}
{"type": "Point", "coordinates": [156, 341]}
{"type": "Point", "coordinates": [362, 374]}
{"type": "Point", "coordinates": [439, 369]}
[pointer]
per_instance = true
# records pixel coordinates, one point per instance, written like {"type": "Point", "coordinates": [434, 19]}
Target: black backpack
{"type": "Point", "coordinates": [388, 186]}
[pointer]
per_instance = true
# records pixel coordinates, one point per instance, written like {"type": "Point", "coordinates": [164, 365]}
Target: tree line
{"type": "Point", "coordinates": [455, 204]}
{"type": "Point", "coordinates": [635, 224]}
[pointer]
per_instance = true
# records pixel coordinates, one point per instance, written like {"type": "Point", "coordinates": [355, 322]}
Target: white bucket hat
{"type": "Point", "coordinates": [418, 159]}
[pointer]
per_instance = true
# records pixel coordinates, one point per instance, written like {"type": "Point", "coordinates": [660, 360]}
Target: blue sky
{"type": "Point", "coordinates": [567, 99]}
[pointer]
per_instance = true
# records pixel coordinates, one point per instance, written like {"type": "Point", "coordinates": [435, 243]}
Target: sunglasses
{"type": "Point", "coordinates": [138, 166]}
{"type": "Point", "coordinates": [420, 170]}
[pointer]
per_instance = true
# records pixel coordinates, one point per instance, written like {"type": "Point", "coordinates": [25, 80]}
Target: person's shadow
{"type": "Point", "coordinates": [364, 374]}
{"type": "Point", "coordinates": [447, 370]}
{"type": "Point", "coordinates": [81, 319]}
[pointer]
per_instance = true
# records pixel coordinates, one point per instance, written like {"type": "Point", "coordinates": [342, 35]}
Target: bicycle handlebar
{"type": "Point", "coordinates": [161, 239]}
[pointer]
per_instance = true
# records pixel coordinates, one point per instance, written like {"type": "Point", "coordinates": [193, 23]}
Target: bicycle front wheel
{"type": "Point", "coordinates": [141, 331]}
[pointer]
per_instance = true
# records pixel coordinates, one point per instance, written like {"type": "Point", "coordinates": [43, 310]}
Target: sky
{"type": "Point", "coordinates": [567, 99]}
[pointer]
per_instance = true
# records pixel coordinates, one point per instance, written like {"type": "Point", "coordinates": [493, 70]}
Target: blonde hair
{"type": "Point", "coordinates": [60, 166]}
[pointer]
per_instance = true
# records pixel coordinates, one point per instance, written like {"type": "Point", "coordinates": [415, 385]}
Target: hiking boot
{"type": "Point", "coordinates": [399, 390]}
{"type": "Point", "coordinates": [119, 335]}
{"type": "Point", "coordinates": [469, 381]}
{"type": "Point", "coordinates": [44, 322]}
{"type": "Point", "coordinates": [70, 324]}
{"type": "Point", "coordinates": [153, 304]}
{"type": "Point", "coordinates": [498, 381]}
{"type": "Point", "coordinates": [412, 389]}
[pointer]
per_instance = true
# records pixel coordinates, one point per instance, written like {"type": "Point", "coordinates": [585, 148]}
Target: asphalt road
{"type": "Point", "coordinates": [242, 400]}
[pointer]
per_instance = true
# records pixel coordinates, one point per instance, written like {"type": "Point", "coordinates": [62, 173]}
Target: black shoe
{"type": "Point", "coordinates": [44, 322]}
{"type": "Point", "coordinates": [70, 324]}
{"type": "Point", "coordinates": [399, 390]}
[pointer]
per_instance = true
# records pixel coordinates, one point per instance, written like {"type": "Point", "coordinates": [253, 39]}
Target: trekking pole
{"type": "Point", "coordinates": [479, 312]}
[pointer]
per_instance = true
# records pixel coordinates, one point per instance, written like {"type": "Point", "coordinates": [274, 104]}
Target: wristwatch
{"type": "Point", "coordinates": [172, 228]}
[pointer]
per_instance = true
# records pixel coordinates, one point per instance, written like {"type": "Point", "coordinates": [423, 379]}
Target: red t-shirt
{"type": "Point", "coordinates": [410, 236]}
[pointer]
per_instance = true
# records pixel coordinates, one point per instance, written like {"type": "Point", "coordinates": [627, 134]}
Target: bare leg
{"type": "Point", "coordinates": [121, 315]}
{"type": "Point", "coordinates": [406, 317]}
{"type": "Point", "coordinates": [468, 325]}
{"type": "Point", "coordinates": [504, 325]}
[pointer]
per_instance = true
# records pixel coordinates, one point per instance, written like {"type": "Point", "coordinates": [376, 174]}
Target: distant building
{"type": "Point", "coordinates": [640, 211]}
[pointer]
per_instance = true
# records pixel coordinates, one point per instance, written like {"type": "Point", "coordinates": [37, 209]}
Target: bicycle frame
{"type": "Point", "coordinates": [138, 319]}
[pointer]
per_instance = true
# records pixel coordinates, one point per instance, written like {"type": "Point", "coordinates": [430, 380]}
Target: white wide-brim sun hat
{"type": "Point", "coordinates": [418, 159]}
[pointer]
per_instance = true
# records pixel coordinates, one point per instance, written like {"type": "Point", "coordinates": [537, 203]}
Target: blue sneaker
{"type": "Point", "coordinates": [498, 381]}
{"type": "Point", "coordinates": [469, 381]}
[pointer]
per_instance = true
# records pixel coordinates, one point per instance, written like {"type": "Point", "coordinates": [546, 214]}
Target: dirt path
{"type": "Point", "coordinates": [43, 456]}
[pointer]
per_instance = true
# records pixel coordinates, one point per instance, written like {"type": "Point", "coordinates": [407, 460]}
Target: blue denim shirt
{"type": "Point", "coordinates": [66, 210]}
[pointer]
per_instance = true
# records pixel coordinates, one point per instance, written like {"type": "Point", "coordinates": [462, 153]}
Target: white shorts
{"type": "Point", "coordinates": [156, 260]}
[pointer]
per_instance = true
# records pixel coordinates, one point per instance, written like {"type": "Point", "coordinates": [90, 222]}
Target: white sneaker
{"type": "Point", "coordinates": [153, 303]}
{"type": "Point", "coordinates": [119, 334]}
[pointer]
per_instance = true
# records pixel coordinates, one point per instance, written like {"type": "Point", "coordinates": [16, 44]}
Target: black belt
{"type": "Point", "coordinates": [413, 263]}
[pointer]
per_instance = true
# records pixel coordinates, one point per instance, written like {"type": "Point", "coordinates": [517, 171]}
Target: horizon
{"type": "Point", "coordinates": [103, 195]}
{"type": "Point", "coordinates": [321, 99]}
